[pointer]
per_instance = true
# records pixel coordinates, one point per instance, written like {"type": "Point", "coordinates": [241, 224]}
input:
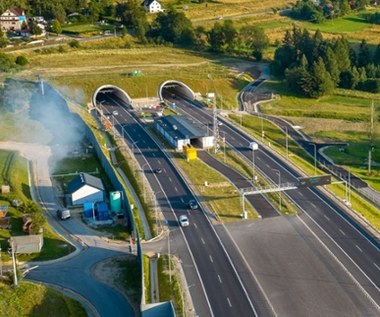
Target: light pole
{"type": "Point", "coordinates": [156, 209]}
{"type": "Point", "coordinates": [262, 127]}
{"type": "Point", "coordinates": [224, 142]}
{"type": "Point", "coordinates": [14, 264]}
{"type": "Point", "coordinates": [315, 159]}
{"type": "Point", "coordinates": [143, 178]}
{"type": "Point", "coordinates": [286, 142]}
{"type": "Point", "coordinates": [279, 186]}
{"type": "Point", "coordinates": [170, 265]}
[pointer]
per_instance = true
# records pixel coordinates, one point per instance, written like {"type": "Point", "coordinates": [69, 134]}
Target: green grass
{"type": "Point", "coordinates": [350, 23]}
{"type": "Point", "coordinates": [36, 300]}
{"type": "Point", "coordinates": [276, 139]}
{"type": "Point", "coordinates": [147, 285]}
{"type": "Point", "coordinates": [219, 195]}
{"type": "Point", "coordinates": [169, 292]}
{"type": "Point", "coordinates": [131, 278]}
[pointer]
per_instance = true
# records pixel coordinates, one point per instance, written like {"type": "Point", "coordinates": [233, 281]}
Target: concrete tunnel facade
{"type": "Point", "coordinates": [176, 86]}
{"type": "Point", "coordinates": [120, 93]}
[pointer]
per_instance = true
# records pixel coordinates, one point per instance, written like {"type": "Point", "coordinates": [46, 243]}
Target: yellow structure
{"type": "Point", "coordinates": [190, 152]}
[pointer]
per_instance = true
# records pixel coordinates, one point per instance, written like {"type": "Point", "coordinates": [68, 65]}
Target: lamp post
{"type": "Point", "coordinates": [156, 209]}
{"type": "Point", "coordinates": [262, 127]}
{"type": "Point", "coordinates": [224, 142]}
{"type": "Point", "coordinates": [170, 265]}
{"type": "Point", "coordinates": [279, 186]}
{"type": "Point", "coordinates": [286, 142]}
{"type": "Point", "coordinates": [315, 159]}
{"type": "Point", "coordinates": [143, 178]}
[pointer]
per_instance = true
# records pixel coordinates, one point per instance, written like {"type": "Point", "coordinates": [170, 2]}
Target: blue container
{"type": "Point", "coordinates": [88, 209]}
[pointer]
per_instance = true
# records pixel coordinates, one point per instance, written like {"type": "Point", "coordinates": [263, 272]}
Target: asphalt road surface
{"type": "Point", "coordinates": [347, 243]}
{"type": "Point", "coordinates": [216, 289]}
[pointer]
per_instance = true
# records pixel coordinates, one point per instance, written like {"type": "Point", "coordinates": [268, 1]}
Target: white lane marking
{"type": "Point", "coordinates": [220, 280]}
{"type": "Point", "coordinates": [195, 225]}
{"type": "Point", "coordinates": [358, 248]}
{"type": "Point", "coordinates": [376, 266]}
{"type": "Point", "coordinates": [229, 302]}
{"type": "Point", "coordinates": [176, 189]}
{"type": "Point", "coordinates": [182, 201]}
{"type": "Point", "coordinates": [342, 232]}
{"type": "Point", "coordinates": [170, 179]}
{"type": "Point", "coordinates": [159, 162]}
{"type": "Point", "coordinates": [232, 138]}
{"type": "Point", "coordinates": [326, 217]}
{"type": "Point", "coordinates": [313, 205]}
{"type": "Point", "coordinates": [212, 261]}
{"type": "Point", "coordinates": [154, 154]}
{"type": "Point", "coordinates": [203, 241]}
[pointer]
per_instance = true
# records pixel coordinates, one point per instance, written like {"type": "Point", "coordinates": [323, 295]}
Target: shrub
{"type": "Point", "coordinates": [21, 60]}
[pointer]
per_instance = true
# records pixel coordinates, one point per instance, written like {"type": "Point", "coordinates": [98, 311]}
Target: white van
{"type": "Point", "coordinates": [253, 146]}
{"type": "Point", "coordinates": [63, 214]}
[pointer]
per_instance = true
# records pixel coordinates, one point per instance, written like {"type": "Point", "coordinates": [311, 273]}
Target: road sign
{"type": "Point", "coordinates": [314, 181]}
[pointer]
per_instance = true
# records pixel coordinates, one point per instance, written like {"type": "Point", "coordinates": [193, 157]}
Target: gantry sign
{"type": "Point", "coordinates": [302, 182]}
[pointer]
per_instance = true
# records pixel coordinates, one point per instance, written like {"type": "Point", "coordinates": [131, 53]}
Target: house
{"type": "Point", "coordinates": [85, 188]}
{"type": "Point", "coordinates": [27, 244]}
{"type": "Point", "coordinates": [12, 20]}
{"type": "Point", "coordinates": [152, 6]}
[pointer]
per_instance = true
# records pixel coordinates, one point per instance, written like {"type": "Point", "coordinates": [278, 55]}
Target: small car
{"type": "Point", "coordinates": [115, 113]}
{"type": "Point", "coordinates": [63, 214]}
{"type": "Point", "coordinates": [219, 123]}
{"type": "Point", "coordinates": [158, 170]}
{"type": "Point", "coordinates": [193, 204]}
{"type": "Point", "coordinates": [184, 221]}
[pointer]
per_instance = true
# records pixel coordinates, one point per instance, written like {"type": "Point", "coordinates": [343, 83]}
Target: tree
{"type": "Point", "coordinates": [133, 16]}
{"type": "Point", "coordinates": [21, 60]}
{"type": "Point", "coordinates": [322, 83]}
{"type": "Point", "coordinates": [376, 55]}
{"type": "Point", "coordinates": [3, 39]}
{"type": "Point", "coordinates": [341, 50]}
{"type": "Point", "coordinates": [216, 38]}
{"type": "Point", "coordinates": [229, 34]}
{"type": "Point", "coordinates": [332, 66]}
{"type": "Point", "coordinates": [35, 29]}
{"type": "Point", "coordinates": [364, 56]}
{"type": "Point", "coordinates": [260, 43]}
{"type": "Point", "coordinates": [56, 27]}
{"type": "Point", "coordinates": [6, 62]}
{"type": "Point", "coordinates": [173, 27]}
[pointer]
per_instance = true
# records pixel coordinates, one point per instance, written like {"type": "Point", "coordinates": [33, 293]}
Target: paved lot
{"type": "Point", "coordinates": [297, 274]}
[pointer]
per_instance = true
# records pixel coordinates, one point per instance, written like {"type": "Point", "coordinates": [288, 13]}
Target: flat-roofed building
{"type": "Point", "coordinates": [180, 131]}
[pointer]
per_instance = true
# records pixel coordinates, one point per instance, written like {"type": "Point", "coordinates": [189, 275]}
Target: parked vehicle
{"type": "Point", "coordinates": [63, 214]}
{"type": "Point", "coordinates": [158, 170]}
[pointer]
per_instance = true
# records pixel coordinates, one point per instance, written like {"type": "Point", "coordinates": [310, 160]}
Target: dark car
{"type": "Point", "coordinates": [158, 170]}
{"type": "Point", "coordinates": [193, 204]}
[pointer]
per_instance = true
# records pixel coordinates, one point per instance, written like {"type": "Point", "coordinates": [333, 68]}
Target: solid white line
{"type": "Point", "coordinates": [220, 280]}
{"type": "Point", "coordinates": [203, 241]}
{"type": "Point", "coordinates": [376, 266]}
{"type": "Point", "coordinates": [358, 248]}
{"type": "Point", "coordinates": [229, 302]}
{"type": "Point", "coordinates": [342, 232]}
{"type": "Point", "coordinates": [211, 259]}
{"type": "Point", "coordinates": [182, 201]}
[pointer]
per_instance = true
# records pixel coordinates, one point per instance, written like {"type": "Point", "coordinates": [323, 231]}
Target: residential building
{"type": "Point", "coordinates": [12, 20]}
{"type": "Point", "coordinates": [152, 6]}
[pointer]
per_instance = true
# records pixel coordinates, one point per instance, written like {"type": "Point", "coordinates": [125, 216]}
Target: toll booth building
{"type": "Point", "coordinates": [180, 131]}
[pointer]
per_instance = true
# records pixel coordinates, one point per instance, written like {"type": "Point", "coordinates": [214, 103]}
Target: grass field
{"type": "Point", "coordinates": [36, 300]}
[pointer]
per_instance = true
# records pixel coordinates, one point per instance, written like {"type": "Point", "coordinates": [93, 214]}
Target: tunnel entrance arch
{"type": "Point", "coordinates": [110, 89]}
{"type": "Point", "coordinates": [175, 87]}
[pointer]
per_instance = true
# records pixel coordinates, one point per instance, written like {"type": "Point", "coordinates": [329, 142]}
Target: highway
{"type": "Point", "coordinates": [216, 289]}
{"type": "Point", "coordinates": [348, 242]}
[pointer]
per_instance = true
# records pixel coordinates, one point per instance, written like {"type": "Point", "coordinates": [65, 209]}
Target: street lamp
{"type": "Point", "coordinates": [170, 265]}
{"type": "Point", "coordinates": [286, 142]}
{"type": "Point", "coordinates": [315, 159]}
{"type": "Point", "coordinates": [279, 186]}
{"type": "Point", "coordinates": [224, 142]}
{"type": "Point", "coordinates": [156, 209]}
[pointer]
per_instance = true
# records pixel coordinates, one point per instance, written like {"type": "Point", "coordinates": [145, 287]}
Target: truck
{"type": "Point", "coordinates": [253, 146]}
{"type": "Point", "coordinates": [63, 214]}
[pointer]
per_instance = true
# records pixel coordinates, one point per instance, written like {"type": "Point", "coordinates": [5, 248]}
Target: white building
{"type": "Point", "coordinates": [85, 188]}
{"type": "Point", "coordinates": [180, 131]}
{"type": "Point", "coordinates": [152, 6]}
